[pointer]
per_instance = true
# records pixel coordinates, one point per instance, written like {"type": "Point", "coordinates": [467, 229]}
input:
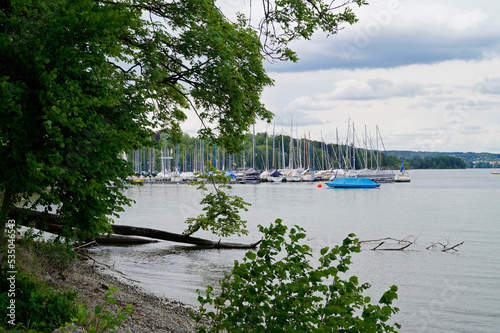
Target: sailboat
{"type": "Point", "coordinates": [175, 176]}
{"type": "Point", "coordinates": [403, 176]}
{"type": "Point", "coordinates": [264, 175]}
{"type": "Point", "coordinates": [294, 173]}
{"type": "Point", "coordinates": [251, 175]}
{"type": "Point", "coordinates": [377, 174]}
{"type": "Point", "coordinates": [275, 176]}
{"type": "Point", "coordinates": [350, 182]}
{"type": "Point", "coordinates": [293, 176]}
{"type": "Point", "coordinates": [496, 171]}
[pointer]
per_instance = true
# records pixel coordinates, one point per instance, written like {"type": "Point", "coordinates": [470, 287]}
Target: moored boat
{"type": "Point", "coordinates": [293, 176]}
{"type": "Point", "coordinates": [248, 176]}
{"type": "Point", "coordinates": [352, 183]}
{"type": "Point", "coordinates": [275, 176]}
{"type": "Point", "coordinates": [377, 175]}
{"type": "Point", "coordinates": [403, 177]}
{"type": "Point", "coordinates": [308, 175]}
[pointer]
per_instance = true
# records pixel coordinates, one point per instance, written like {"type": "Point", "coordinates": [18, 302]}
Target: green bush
{"type": "Point", "coordinates": [38, 256]}
{"type": "Point", "coordinates": [102, 319]}
{"type": "Point", "coordinates": [38, 306]}
{"type": "Point", "coordinates": [267, 294]}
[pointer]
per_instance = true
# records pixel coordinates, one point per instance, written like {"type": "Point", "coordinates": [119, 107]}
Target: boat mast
{"type": "Point", "coordinates": [267, 152]}
{"type": "Point", "coordinates": [273, 158]}
{"type": "Point", "coordinates": [253, 147]}
{"type": "Point", "coordinates": [282, 144]}
{"type": "Point", "coordinates": [365, 139]}
{"type": "Point", "coordinates": [290, 150]}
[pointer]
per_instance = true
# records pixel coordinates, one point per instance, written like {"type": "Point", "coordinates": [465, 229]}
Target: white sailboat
{"type": "Point", "coordinates": [275, 176]}
{"type": "Point", "coordinates": [404, 176]}
{"type": "Point", "coordinates": [175, 176]}
{"type": "Point", "coordinates": [308, 175]}
{"type": "Point", "coordinates": [293, 175]}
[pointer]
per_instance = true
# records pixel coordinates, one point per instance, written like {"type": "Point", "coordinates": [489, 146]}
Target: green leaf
{"type": "Point", "coordinates": [111, 300]}
{"type": "Point", "coordinates": [251, 255]}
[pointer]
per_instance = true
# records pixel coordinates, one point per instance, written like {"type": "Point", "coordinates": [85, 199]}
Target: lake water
{"type": "Point", "coordinates": [454, 291]}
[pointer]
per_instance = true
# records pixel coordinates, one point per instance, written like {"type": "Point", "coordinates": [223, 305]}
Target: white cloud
{"type": "Point", "coordinates": [445, 106]}
{"type": "Point", "coordinates": [393, 33]}
{"type": "Point", "coordinates": [355, 89]}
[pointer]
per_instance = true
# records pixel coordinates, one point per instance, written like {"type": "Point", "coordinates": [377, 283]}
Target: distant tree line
{"type": "Point", "coordinates": [472, 160]}
{"type": "Point", "coordinates": [441, 162]}
{"type": "Point", "coordinates": [484, 165]}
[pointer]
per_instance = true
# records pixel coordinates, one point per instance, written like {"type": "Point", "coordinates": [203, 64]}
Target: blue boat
{"type": "Point", "coordinates": [352, 183]}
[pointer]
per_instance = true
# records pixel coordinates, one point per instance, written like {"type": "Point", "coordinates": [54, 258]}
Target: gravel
{"type": "Point", "coordinates": [151, 313]}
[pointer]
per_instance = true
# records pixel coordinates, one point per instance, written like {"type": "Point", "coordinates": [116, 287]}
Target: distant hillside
{"type": "Point", "coordinates": [473, 160]}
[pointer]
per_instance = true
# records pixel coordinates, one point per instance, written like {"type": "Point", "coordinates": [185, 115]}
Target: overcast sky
{"type": "Point", "coordinates": [426, 72]}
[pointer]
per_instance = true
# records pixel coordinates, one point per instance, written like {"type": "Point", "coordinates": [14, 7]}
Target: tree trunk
{"type": "Point", "coordinates": [50, 223]}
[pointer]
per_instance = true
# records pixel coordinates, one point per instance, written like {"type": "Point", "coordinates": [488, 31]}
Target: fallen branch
{"type": "Point", "coordinates": [446, 246]}
{"type": "Point", "coordinates": [452, 248]}
{"type": "Point", "coordinates": [382, 241]}
{"type": "Point", "coordinates": [51, 223]}
{"type": "Point", "coordinates": [407, 243]}
{"type": "Point", "coordinates": [84, 245]}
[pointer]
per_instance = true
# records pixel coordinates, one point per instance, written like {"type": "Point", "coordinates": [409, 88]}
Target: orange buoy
{"type": "Point", "coordinates": [319, 185]}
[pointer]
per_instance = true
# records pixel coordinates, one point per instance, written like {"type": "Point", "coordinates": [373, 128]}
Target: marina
{"type": "Point", "coordinates": [277, 159]}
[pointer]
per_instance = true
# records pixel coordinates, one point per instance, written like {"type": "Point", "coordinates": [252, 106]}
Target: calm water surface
{"type": "Point", "coordinates": [438, 291]}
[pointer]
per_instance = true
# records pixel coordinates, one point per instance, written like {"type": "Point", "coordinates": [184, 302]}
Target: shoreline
{"type": "Point", "coordinates": [151, 313]}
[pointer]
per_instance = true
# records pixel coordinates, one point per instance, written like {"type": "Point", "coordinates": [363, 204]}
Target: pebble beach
{"type": "Point", "coordinates": [151, 313]}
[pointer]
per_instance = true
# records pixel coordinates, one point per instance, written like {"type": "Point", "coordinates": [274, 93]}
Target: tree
{"type": "Point", "coordinates": [69, 112]}
{"type": "Point", "coordinates": [267, 294]}
{"type": "Point", "coordinates": [438, 162]}
{"type": "Point", "coordinates": [83, 81]}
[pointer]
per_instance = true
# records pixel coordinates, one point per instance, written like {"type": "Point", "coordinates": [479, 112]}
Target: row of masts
{"type": "Point", "coordinates": [300, 154]}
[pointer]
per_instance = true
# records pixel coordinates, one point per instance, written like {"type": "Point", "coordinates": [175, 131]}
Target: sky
{"type": "Point", "coordinates": [426, 73]}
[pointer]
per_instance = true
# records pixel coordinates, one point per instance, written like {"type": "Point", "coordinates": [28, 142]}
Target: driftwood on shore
{"type": "Point", "coordinates": [51, 223]}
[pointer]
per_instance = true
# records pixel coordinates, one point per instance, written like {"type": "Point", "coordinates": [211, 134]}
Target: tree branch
{"type": "Point", "coordinates": [50, 223]}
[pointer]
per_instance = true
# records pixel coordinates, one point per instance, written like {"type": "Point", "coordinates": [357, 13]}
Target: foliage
{"type": "Point", "coordinates": [221, 215]}
{"type": "Point", "coordinates": [440, 162]}
{"type": "Point", "coordinates": [102, 319]}
{"type": "Point", "coordinates": [268, 294]}
{"type": "Point", "coordinates": [69, 111]}
{"type": "Point", "coordinates": [38, 306]}
{"type": "Point", "coordinates": [471, 159]}
{"type": "Point", "coordinates": [50, 256]}
{"type": "Point", "coordinates": [485, 165]}
{"type": "Point", "coordinates": [288, 20]}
